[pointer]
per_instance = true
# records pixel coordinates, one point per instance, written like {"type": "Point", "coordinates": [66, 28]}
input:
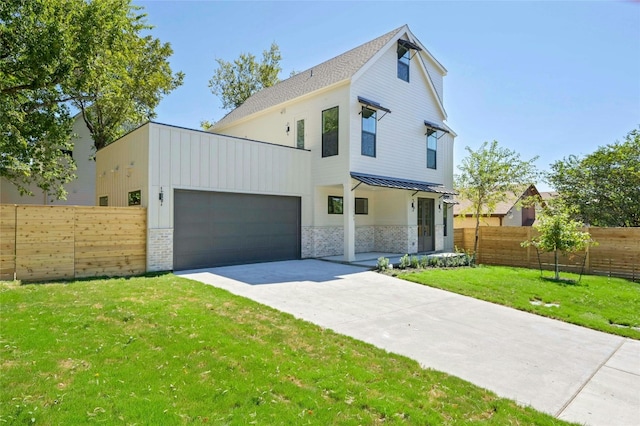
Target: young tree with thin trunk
{"type": "Point", "coordinates": [559, 234]}
{"type": "Point", "coordinates": [488, 176]}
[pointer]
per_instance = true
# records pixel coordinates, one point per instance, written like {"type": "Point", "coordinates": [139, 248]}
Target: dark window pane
{"type": "Point", "coordinates": [335, 205]}
{"type": "Point", "coordinates": [362, 206]}
{"type": "Point", "coordinates": [368, 144]}
{"type": "Point", "coordinates": [300, 134]}
{"type": "Point", "coordinates": [330, 132]}
{"type": "Point", "coordinates": [104, 201]}
{"type": "Point", "coordinates": [431, 159]}
{"type": "Point", "coordinates": [135, 198]}
{"type": "Point", "coordinates": [432, 149]}
{"type": "Point", "coordinates": [403, 63]}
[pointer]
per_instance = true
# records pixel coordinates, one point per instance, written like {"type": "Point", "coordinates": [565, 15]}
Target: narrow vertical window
{"type": "Point", "coordinates": [432, 147]}
{"type": "Point", "coordinates": [369, 132]}
{"type": "Point", "coordinates": [300, 134]}
{"type": "Point", "coordinates": [444, 217]}
{"type": "Point", "coordinates": [403, 63]}
{"type": "Point", "coordinates": [330, 132]}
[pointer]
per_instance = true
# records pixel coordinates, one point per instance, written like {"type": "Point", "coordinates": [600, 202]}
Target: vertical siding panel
{"type": "Point", "coordinates": [222, 163]}
{"type": "Point", "coordinates": [164, 149]}
{"type": "Point", "coordinates": [185, 159]}
{"type": "Point", "coordinates": [255, 168]}
{"type": "Point", "coordinates": [195, 159]}
{"type": "Point", "coordinates": [262, 167]}
{"type": "Point", "coordinates": [213, 143]}
{"type": "Point", "coordinates": [231, 164]}
{"type": "Point", "coordinates": [238, 170]}
{"type": "Point", "coordinates": [175, 157]}
{"type": "Point", "coordinates": [204, 164]}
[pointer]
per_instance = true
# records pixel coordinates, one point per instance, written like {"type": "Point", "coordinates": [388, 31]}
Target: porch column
{"type": "Point", "coordinates": [348, 213]}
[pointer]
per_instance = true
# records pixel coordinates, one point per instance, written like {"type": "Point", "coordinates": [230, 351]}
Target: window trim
{"type": "Point", "coordinates": [330, 204]}
{"type": "Point", "coordinates": [374, 114]}
{"type": "Point", "coordinates": [337, 150]}
{"type": "Point", "coordinates": [139, 203]}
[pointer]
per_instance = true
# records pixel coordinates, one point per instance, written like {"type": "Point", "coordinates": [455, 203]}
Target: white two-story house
{"type": "Point", "coordinates": [350, 156]}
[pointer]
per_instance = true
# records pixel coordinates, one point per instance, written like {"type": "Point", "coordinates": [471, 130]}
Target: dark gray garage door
{"type": "Point", "coordinates": [221, 228]}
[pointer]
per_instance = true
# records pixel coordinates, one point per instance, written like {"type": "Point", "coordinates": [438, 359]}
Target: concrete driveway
{"type": "Point", "coordinates": [571, 372]}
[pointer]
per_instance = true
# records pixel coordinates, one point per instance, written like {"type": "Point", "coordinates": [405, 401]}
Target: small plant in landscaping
{"type": "Point", "coordinates": [383, 263]}
{"type": "Point", "coordinates": [405, 262]}
{"type": "Point", "coordinates": [415, 262]}
{"type": "Point", "coordinates": [424, 261]}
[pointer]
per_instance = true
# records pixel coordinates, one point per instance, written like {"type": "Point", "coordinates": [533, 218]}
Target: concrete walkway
{"type": "Point", "coordinates": [571, 372]}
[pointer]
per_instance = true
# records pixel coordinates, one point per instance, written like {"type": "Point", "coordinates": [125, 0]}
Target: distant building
{"type": "Point", "coordinates": [507, 212]}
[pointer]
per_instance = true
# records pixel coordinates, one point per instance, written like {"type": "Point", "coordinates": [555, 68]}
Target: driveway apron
{"type": "Point", "coordinates": [571, 372]}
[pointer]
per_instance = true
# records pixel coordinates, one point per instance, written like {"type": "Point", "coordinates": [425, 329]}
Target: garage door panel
{"type": "Point", "coordinates": [216, 228]}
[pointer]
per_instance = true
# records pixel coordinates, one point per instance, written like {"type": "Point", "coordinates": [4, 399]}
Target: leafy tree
{"type": "Point", "coordinates": [559, 234]}
{"type": "Point", "coordinates": [235, 81]}
{"type": "Point", "coordinates": [488, 175]}
{"type": "Point", "coordinates": [603, 188]}
{"type": "Point", "coordinates": [127, 74]}
{"type": "Point", "coordinates": [57, 54]}
{"type": "Point", "coordinates": [35, 122]}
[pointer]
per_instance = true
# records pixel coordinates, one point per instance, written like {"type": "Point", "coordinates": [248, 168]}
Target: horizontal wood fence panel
{"type": "Point", "coordinates": [617, 253]}
{"type": "Point", "coordinates": [50, 226]}
{"type": "Point", "coordinates": [40, 243]}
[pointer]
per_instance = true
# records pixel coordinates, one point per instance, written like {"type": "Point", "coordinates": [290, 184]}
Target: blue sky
{"type": "Point", "coordinates": [542, 78]}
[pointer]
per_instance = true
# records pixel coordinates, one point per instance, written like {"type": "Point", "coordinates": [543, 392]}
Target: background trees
{"type": "Point", "coordinates": [60, 55]}
{"type": "Point", "coordinates": [488, 175]}
{"type": "Point", "coordinates": [233, 82]}
{"type": "Point", "coordinates": [602, 188]}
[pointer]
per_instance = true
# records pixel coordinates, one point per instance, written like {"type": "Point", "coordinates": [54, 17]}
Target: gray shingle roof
{"type": "Point", "coordinates": [335, 70]}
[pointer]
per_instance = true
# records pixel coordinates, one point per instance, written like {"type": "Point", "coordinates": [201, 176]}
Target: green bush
{"type": "Point", "coordinates": [383, 263]}
{"type": "Point", "coordinates": [405, 262]}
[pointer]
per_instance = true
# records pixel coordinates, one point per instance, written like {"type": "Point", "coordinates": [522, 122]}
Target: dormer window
{"type": "Point", "coordinates": [404, 58]}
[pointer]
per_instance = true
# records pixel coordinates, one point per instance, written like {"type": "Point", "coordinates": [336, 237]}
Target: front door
{"type": "Point", "coordinates": [425, 224]}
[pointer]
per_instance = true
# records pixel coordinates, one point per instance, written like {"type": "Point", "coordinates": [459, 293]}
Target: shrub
{"type": "Point", "coordinates": [405, 262]}
{"type": "Point", "coordinates": [383, 263]}
{"type": "Point", "coordinates": [415, 262]}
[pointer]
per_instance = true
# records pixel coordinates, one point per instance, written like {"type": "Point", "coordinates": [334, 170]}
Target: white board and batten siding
{"type": "Point", "coordinates": [195, 160]}
{"type": "Point", "coordinates": [401, 146]}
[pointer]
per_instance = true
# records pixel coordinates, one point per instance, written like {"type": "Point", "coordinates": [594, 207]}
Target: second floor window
{"type": "Point", "coordinates": [300, 134]}
{"type": "Point", "coordinates": [432, 148]}
{"type": "Point", "coordinates": [330, 132]}
{"type": "Point", "coordinates": [403, 63]}
{"type": "Point", "coordinates": [368, 132]}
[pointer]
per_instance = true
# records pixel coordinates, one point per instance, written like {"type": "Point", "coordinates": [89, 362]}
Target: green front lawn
{"type": "Point", "coordinates": [606, 304]}
{"type": "Point", "coordinates": [166, 350]}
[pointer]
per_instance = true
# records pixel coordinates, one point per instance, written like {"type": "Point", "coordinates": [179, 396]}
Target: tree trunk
{"type": "Point", "coordinates": [557, 269]}
{"type": "Point", "coordinates": [475, 242]}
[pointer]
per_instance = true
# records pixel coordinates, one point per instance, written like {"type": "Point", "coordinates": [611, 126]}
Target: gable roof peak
{"type": "Point", "coordinates": [328, 73]}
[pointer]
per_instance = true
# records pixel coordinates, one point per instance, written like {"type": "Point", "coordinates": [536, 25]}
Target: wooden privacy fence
{"type": "Point", "coordinates": [617, 253]}
{"type": "Point", "coordinates": [65, 242]}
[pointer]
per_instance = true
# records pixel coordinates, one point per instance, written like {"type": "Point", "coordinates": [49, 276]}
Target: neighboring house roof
{"type": "Point", "coordinates": [548, 195]}
{"type": "Point", "coordinates": [502, 208]}
{"type": "Point", "coordinates": [341, 68]}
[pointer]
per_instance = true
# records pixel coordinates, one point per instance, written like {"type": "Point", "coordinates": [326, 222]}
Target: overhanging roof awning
{"type": "Point", "coordinates": [408, 44]}
{"type": "Point", "coordinates": [449, 201]}
{"type": "Point", "coordinates": [435, 126]}
{"type": "Point", "coordinates": [411, 185]}
{"type": "Point", "coordinates": [372, 104]}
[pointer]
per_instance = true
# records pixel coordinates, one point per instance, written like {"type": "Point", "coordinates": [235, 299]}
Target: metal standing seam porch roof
{"type": "Point", "coordinates": [411, 185]}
